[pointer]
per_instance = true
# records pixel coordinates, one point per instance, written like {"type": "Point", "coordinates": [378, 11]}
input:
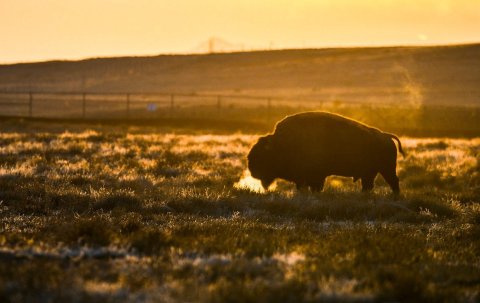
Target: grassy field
{"type": "Point", "coordinates": [149, 214]}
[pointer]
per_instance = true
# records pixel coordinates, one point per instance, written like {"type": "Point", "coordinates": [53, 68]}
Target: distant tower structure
{"type": "Point", "coordinates": [216, 45]}
{"type": "Point", "coordinates": [211, 45]}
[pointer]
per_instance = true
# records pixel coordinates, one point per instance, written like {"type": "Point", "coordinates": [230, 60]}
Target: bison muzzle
{"type": "Point", "coordinates": [307, 147]}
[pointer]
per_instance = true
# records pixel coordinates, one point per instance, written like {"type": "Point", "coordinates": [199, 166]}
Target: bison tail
{"type": "Point", "coordinates": [398, 141]}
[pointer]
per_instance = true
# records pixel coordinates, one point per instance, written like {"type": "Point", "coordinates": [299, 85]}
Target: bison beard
{"type": "Point", "coordinates": [306, 148]}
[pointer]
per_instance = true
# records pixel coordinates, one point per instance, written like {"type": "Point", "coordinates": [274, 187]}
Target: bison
{"type": "Point", "coordinates": [307, 147]}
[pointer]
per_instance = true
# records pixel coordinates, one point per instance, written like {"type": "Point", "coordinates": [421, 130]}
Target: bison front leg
{"type": "Point", "coordinates": [266, 183]}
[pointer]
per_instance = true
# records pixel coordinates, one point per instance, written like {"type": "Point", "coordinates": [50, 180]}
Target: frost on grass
{"type": "Point", "coordinates": [112, 214]}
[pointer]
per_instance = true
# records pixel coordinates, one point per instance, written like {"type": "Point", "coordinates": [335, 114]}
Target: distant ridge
{"type": "Point", "coordinates": [411, 74]}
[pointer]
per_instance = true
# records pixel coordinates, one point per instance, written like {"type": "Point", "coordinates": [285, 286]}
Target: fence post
{"type": "Point", "coordinates": [128, 106]}
{"type": "Point", "coordinates": [172, 104]}
{"type": "Point", "coordinates": [84, 105]}
{"type": "Point", "coordinates": [30, 104]}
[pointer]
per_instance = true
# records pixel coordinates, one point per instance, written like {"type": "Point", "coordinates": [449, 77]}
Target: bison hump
{"type": "Point", "coordinates": [321, 123]}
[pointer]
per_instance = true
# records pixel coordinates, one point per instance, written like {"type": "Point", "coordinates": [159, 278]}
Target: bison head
{"type": "Point", "coordinates": [261, 161]}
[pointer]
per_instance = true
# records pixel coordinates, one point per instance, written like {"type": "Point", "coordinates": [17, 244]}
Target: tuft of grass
{"type": "Point", "coordinates": [119, 201]}
{"type": "Point", "coordinates": [440, 144]}
{"type": "Point", "coordinates": [96, 231]}
{"type": "Point", "coordinates": [150, 240]}
{"type": "Point", "coordinates": [432, 207]}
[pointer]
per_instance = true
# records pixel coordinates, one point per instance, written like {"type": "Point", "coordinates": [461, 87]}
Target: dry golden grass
{"type": "Point", "coordinates": [112, 214]}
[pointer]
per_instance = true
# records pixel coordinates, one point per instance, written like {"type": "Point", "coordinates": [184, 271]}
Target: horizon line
{"type": "Point", "coordinates": [253, 50]}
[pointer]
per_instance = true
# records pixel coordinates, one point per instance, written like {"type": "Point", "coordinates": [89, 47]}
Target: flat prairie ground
{"type": "Point", "coordinates": [115, 214]}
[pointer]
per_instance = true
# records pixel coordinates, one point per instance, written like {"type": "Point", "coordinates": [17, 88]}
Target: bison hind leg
{"type": "Point", "coordinates": [367, 182]}
{"type": "Point", "coordinates": [392, 180]}
{"type": "Point", "coordinates": [317, 185]}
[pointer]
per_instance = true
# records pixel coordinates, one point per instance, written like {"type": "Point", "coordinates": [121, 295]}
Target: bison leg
{"type": "Point", "coordinates": [266, 183]}
{"type": "Point", "coordinates": [392, 180]}
{"type": "Point", "coordinates": [367, 182]}
{"type": "Point", "coordinates": [318, 185]}
{"type": "Point", "coordinates": [301, 185]}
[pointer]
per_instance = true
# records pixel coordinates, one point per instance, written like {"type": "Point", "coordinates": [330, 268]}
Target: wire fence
{"type": "Point", "coordinates": [86, 105]}
{"type": "Point", "coordinates": [104, 106]}
{"type": "Point", "coordinates": [257, 111]}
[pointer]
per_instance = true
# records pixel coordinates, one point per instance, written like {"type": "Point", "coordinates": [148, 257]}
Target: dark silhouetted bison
{"type": "Point", "coordinates": [306, 148]}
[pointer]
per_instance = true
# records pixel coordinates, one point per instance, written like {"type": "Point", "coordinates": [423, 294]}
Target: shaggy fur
{"type": "Point", "coordinates": [306, 148]}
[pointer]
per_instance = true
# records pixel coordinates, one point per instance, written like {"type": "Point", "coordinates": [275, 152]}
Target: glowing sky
{"type": "Point", "coordinates": [71, 29]}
